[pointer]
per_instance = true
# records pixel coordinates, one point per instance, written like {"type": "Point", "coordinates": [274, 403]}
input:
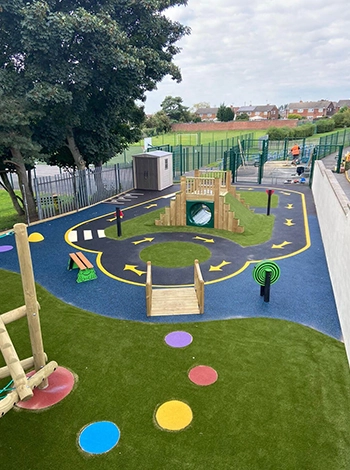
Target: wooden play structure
{"type": "Point", "coordinates": [86, 271]}
{"type": "Point", "coordinates": [22, 389]}
{"type": "Point", "coordinates": [175, 300]}
{"type": "Point", "coordinates": [207, 189]}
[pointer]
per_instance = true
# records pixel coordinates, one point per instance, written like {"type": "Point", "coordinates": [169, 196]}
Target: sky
{"type": "Point", "coordinates": [260, 52]}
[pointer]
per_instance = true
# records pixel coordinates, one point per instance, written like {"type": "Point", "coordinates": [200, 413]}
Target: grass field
{"type": "Point", "coordinates": [8, 215]}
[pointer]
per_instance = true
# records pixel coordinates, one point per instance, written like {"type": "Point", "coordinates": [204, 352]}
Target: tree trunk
{"type": "Point", "coordinates": [11, 193]}
{"type": "Point", "coordinates": [98, 179]}
{"type": "Point", "coordinates": [78, 159]}
{"type": "Point", "coordinates": [18, 161]}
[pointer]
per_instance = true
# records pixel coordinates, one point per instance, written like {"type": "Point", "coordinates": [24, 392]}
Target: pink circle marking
{"type": "Point", "coordinates": [203, 375]}
{"type": "Point", "coordinates": [61, 382]}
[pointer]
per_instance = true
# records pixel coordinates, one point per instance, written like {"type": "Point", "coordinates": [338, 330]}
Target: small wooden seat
{"type": "Point", "coordinates": [86, 270]}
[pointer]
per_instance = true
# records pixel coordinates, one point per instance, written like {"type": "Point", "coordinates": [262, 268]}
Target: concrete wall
{"type": "Point", "coordinates": [232, 125]}
{"type": "Point", "coordinates": [333, 212]}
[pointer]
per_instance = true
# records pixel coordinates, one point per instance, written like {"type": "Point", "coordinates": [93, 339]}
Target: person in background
{"type": "Point", "coordinates": [295, 151]}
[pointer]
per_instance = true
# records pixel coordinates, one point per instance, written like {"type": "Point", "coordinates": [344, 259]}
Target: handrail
{"type": "Point", "coordinates": [199, 286]}
{"type": "Point", "coordinates": [149, 289]}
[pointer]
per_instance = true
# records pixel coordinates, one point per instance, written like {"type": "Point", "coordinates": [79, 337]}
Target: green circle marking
{"type": "Point", "coordinates": [175, 254]}
{"type": "Point", "coordinates": [260, 270]}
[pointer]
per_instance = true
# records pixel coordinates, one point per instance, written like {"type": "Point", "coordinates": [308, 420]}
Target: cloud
{"type": "Point", "coordinates": [260, 52]}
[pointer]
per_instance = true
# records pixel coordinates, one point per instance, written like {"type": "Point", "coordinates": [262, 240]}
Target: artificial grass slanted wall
{"type": "Point", "coordinates": [257, 227]}
{"type": "Point", "coordinates": [281, 401]}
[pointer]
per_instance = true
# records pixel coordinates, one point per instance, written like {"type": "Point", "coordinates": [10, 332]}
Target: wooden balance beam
{"type": "Point", "coordinates": [175, 300]}
{"type": "Point", "coordinates": [86, 270]}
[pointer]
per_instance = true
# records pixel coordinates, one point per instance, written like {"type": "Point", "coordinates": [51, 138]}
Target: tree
{"type": "Point", "coordinates": [225, 113]}
{"type": "Point", "coordinates": [342, 118]}
{"type": "Point", "coordinates": [175, 110]}
{"type": "Point", "coordinates": [242, 117]}
{"type": "Point", "coordinates": [83, 65]}
{"type": "Point", "coordinates": [159, 123]}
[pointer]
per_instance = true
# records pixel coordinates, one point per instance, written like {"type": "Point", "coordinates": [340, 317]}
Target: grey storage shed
{"type": "Point", "coordinates": [153, 170]}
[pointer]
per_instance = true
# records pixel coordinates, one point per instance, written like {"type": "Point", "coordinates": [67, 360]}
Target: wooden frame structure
{"type": "Point", "coordinates": [15, 368]}
{"type": "Point", "coordinates": [204, 186]}
{"type": "Point", "coordinates": [175, 300]}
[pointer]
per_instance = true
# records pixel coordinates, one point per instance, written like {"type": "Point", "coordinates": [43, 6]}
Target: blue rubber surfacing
{"type": "Point", "coordinates": [303, 293]}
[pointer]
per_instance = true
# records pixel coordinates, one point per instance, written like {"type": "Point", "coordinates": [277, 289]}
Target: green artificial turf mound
{"type": "Point", "coordinates": [257, 227]}
{"type": "Point", "coordinates": [281, 401]}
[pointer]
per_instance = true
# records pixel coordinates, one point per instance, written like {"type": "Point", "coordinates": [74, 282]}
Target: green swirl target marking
{"type": "Point", "coordinates": [260, 269]}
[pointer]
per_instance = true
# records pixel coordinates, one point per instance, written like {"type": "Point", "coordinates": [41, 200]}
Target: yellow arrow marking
{"type": "Point", "coordinates": [133, 268]}
{"type": "Point", "coordinates": [219, 266]}
{"type": "Point", "coordinates": [144, 240]}
{"type": "Point", "coordinates": [151, 205]}
{"type": "Point", "coordinates": [247, 189]}
{"type": "Point", "coordinates": [286, 194]}
{"type": "Point", "coordinates": [111, 220]}
{"type": "Point", "coordinates": [289, 222]}
{"type": "Point", "coordinates": [206, 240]}
{"type": "Point", "coordinates": [282, 245]}
{"type": "Point", "coordinates": [289, 206]}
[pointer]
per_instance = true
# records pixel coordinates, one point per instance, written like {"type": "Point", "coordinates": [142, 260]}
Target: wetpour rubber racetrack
{"type": "Point", "coordinates": [120, 259]}
{"type": "Point", "coordinates": [303, 293]}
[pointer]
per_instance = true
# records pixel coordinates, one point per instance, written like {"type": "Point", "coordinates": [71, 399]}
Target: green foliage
{"type": "Point", "coordinates": [159, 123]}
{"type": "Point", "coordinates": [294, 116]}
{"type": "Point", "coordinates": [342, 118]}
{"type": "Point", "coordinates": [242, 117]}
{"type": "Point", "coordinates": [279, 133]}
{"type": "Point", "coordinates": [225, 113]}
{"type": "Point", "coordinates": [282, 133]}
{"type": "Point", "coordinates": [324, 125]}
{"type": "Point", "coordinates": [84, 65]}
{"type": "Point", "coordinates": [175, 110]}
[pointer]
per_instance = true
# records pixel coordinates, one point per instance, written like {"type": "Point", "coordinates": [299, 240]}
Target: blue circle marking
{"type": "Point", "coordinates": [99, 437]}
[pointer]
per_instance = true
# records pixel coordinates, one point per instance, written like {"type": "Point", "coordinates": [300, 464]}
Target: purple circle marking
{"type": "Point", "coordinates": [4, 248]}
{"type": "Point", "coordinates": [178, 339]}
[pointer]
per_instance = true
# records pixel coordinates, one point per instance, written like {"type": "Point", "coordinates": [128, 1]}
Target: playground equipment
{"type": "Point", "coordinates": [201, 202]}
{"type": "Point", "coordinates": [15, 368]}
{"type": "Point", "coordinates": [86, 270]}
{"type": "Point", "coordinates": [266, 273]}
{"type": "Point", "coordinates": [175, 300]}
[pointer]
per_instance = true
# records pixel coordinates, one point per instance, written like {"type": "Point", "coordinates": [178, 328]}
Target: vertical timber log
{"type": "Point", "coordinates": [26, 268]}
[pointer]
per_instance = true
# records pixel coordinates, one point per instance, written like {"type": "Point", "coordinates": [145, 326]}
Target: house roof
{"type": "Point", "coordinates": [309, 104]}
{"type": "Point", "coordinates": [265, 107]}
{"type": "Point", "coordinates": [342, 103]}
{"type": "Point", "coordinates": [207, 111]}
{"type": "Point", "coordinates": [245, 109]}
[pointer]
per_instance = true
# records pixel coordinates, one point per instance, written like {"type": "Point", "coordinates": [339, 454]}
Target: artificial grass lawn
{"type": "Point", "coordinates": [175, 254]}
{"type": "Point", "coordinates": [281, 401]}
{"type": "Point", "coordinates": [257, 227]}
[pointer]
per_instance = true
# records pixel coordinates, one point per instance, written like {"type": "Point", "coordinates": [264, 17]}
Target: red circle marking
{"type": "Point", "coordinates": [203, 375]}
{"type": "Point", "coordinates": [60, 384]}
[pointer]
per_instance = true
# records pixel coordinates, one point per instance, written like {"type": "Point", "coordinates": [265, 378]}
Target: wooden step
{"type": "Point", "coordinates": [175, 301]}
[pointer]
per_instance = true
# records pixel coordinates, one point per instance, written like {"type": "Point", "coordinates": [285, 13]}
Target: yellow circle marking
{"type": "Point", "coordinates": [174, 415]}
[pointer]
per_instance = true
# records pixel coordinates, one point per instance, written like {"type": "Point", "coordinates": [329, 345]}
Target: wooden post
{"type": "Point", "coordinates": [26, 268]}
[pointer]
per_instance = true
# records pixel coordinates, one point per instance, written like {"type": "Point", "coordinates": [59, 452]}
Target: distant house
{"type": "Point", "coordinates": [342, 104]}
{"type": "Point", "coordinates": [256, 113]}
{"type": "Point", "coordinates": [312, 109]}
{"type": "Point", "coordinates": [207, 114]}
